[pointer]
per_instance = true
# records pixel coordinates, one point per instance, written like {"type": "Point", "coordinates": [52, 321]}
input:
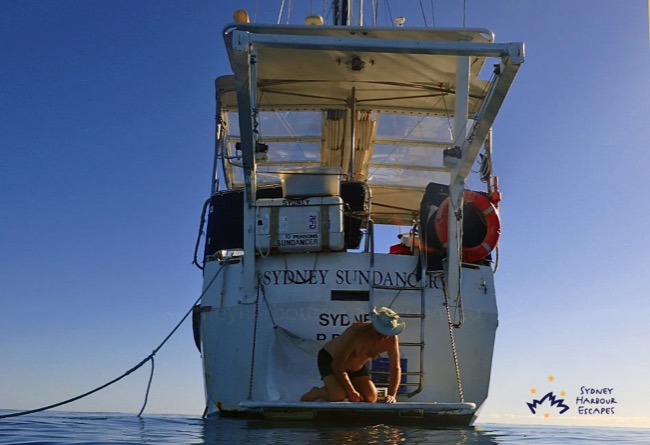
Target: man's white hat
{"type": "Point", "coordinates": [386, 321]}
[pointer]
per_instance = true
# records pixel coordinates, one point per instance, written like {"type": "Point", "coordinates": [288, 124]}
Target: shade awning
{"type": "Point", "coordinates": [384, 81]}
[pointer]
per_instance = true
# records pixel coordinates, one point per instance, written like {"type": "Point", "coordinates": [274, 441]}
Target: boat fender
{"type": "Point", "coordinates": [489, 214]}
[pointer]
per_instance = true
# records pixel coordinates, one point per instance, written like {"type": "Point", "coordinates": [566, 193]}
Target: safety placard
{"type": "Point", "coordinates": [299, 240]}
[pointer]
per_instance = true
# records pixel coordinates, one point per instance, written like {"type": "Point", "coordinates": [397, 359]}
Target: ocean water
{"type": "Point", "coordinates": [96, 428]}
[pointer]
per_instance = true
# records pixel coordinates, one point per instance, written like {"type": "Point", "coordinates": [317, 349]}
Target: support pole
{"type": "Point", "coordinates": [353, 127]}
{"type": "Point", "coordinates": [457, 185]}
{"type": "Point", "coordinates": [246, 83]}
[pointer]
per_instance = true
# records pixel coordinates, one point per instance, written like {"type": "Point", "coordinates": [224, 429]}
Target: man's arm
{"type": "Point", "coordinates": [395, 370]}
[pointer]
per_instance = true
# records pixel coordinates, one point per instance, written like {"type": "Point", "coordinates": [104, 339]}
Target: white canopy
{"type": "Point", "coordinates": [399, 83]}
{"type": "Point", "coordinates": [291, 78]}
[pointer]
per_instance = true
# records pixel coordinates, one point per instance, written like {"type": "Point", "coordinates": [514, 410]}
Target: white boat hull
{"type": "Point", "coordinates": [262, 348]}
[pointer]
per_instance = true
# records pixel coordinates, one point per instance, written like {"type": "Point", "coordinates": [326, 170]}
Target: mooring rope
{"type": "Point", "coordinates": [452, 339]}
{"type": "Point", "coordinates": [130, 371]}
{"type": "Point", "coordinates": [252, 371]}
{"type": "Point", "coordinates": [146, 394]}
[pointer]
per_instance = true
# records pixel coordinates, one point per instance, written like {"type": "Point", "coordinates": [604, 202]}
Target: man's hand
{"type": "Point", "coordinates": [354, 396]}
{"type": "Point", "coordinates": [390, 399]}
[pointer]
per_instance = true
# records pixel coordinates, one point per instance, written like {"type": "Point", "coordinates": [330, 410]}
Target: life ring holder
{"type": "Point", "coordinates": [492, 222]}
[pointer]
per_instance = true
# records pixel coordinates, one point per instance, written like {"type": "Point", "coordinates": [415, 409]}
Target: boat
{"type": "Point", "coordinates": [340, 181]}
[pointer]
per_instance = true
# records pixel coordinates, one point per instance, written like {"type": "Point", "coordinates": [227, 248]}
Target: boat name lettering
{"type": "Point", "coordinates": [295, 202]}
{"type": "Point", "coordinates": [321, 336]}
{"type": "Point", "coordinates": [341, 319]}
{"type": "Point", "coordinates": [343, 277]}
{"type": "Point", "coordinates": [404, 279]}
{"type": "Point", "coordinates": [307, 276]}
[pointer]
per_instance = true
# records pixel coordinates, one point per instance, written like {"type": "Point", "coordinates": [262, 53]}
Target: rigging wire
{"type": "Point", "coordinates": [289, 9]}
{"type": "Point", "coordinates": [484, 91]}
{"type": "Point", "coordinates": [448, 116]}
{"type": "Point", "coordinates": [329, 13]}
{"type": "Point", "coordinates": [130, 371]}
{"type": "Point", "coordinates": [374, 5]}
{"type": "Point", "coordinates": [464, 12]}
{"type": "Point", "coordinates": [424, 16]}
{"type": "Point", "coordinates": [280, 13]}
{"type": "Point", "coordinates": [389, 13]}
{"type": "Point", "coordinates": [433, 16]}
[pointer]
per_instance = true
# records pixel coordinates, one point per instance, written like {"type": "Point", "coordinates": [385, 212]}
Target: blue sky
{"type": "Point", "coordinates": [106, 139]}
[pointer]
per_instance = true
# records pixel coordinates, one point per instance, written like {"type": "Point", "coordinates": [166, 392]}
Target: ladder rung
{"type": "Point", "coordinates": [403, 373]}
{"type": "Point", "coordinates": [418, 376]}
{"type": "Point", "coordinates": [404, 384]}
{"type": "Point", "coordinates": [435, 272]}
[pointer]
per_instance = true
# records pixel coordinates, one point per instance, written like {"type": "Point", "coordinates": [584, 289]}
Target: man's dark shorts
{"type": "Point", "coordinates": [325, 366]}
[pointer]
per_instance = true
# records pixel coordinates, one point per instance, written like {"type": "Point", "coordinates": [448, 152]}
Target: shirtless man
{"type": "Point", "coordinates": [342, 362]}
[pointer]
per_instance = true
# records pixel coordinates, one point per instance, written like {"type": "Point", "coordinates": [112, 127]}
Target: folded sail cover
{"type": "Point", "coordinates": [292, 366]}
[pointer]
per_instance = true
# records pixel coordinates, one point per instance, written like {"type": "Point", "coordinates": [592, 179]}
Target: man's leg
{"type": "Point", "coordinates": [365, 387]}
{"type": "Point", "coordinates": [315, 393]}
{"type": "Point", "coordinates": [331, 392]}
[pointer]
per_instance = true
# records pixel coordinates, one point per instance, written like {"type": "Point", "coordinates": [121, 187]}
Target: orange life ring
{"type": "Point", "coordinates": [489, 215]}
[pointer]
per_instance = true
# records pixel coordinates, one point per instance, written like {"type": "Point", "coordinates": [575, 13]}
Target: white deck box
{"type": "Point", "coordinates": [311, 181]}
{"type": "Point", "coordinates": [299, 225]}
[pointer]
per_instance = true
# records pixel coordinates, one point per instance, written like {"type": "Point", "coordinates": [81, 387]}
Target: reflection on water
{"type": "Point", "coordinates": [268, 432]}
{"type": "Point", "coordinates": [60, 428]}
